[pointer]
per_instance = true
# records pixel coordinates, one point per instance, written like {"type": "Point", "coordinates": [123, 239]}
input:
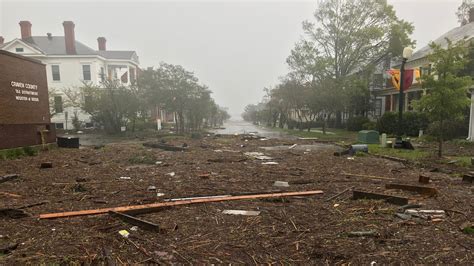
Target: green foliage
{"type": "Point", "coordinates": [413, 122]}
{"type": "Point", "coordinates": [452, 129]}
{"type": "Point", "coordinates": [76, 123]}
{"type": "Point", "coordinates": [332, 66]}
{"type": "Point", "coordinates": [142, 158]}
{"type": "Point", "coordinates": [177, 90]}
{"type": "Point", "coordinates": [30, 151]}
{"type": "Point", "coordinates": [463, 11]}
{"type": "Point", "coordinates": [356, 123]}
{"type": "Point", "coordinates": [447, 98]}
{"type": "Point", "coordinates": [371, 125]}
{"type": "Point", "coordinates": [412, 155]}
{"type": "Point", "coordinates": [468, 230]}
{"type": "Point", "coordinates": [110, 105]}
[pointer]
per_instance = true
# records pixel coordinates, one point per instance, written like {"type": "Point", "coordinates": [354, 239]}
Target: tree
{"type": "Point", "coordinates": [177, 90]}
{"type": "Point", "coordinates": [447, 96]}
{"type": "Point", "coordinates": [347, 36]}
{"type": "Point", "coordinates": [110, 105]}
{"type": "Point", "coordinates": [463, 11]}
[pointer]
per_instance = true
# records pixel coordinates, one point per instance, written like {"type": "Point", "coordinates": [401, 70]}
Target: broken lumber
{"type": "Point", "coordinates": [163, 146]}
{"type": "Point", "coordinates": [135, 221]}
{"type": "Point", "coordinates": [10, 195]}
{"type": "Point", "coordinates": [6, 178]}
{"type": "Point", "coordinates": [146, 208]}
{"type": "Point", "coordinates": [45, 165]}
{"type": "Point", "coordinates": [428, 191]}
{"type": "Point", "coordinates": [339, 194]}
{"type": "Point", "coordinates": [424, 179]}
{"type": "Point", "coordinates": [388, 198]}
{"type": "Point", "coordinates": [468, 178]}
{"type": "Point", "coordinates": [369, 176]}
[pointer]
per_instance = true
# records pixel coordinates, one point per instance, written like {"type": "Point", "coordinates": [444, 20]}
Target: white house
{"type": "Point", "coordinates": [420, 61]}
{"type": "Point", "coordinates": [70, 64]}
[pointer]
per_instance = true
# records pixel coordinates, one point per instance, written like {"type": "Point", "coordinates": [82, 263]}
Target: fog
{"type": "Point", "coordinates": [235, 47]}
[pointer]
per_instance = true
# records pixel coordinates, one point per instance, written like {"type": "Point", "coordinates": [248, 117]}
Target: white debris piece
{"type": "Point", "coordinates": [125, 178]}
{"type": "Point", "coordinates": [292, 146]}
{"type": "Point", "coordinates": [241, 212]}
{"type": "Point", "coordinates": [269, 163]}
{"type": "Point", "coordinates": [258, 155]}
{"type": "Point", "coordinates": [281, 184]}
{"type": "Point", "coordinates": [171, 174]}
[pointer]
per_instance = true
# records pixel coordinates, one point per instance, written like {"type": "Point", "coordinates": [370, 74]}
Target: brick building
{"type": "Point", "coordinates": [24, 105]}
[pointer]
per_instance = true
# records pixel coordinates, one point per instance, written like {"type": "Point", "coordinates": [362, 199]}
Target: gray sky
{"type": "Point", "coordinates": [235, 47]}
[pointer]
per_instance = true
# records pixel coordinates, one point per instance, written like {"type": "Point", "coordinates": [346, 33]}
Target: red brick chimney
{"type": "Point", "coordinates": [471, 15]}
{"type": "Point", "coordinates": [102, 43]}
{"type": "Point", "coordinates": [69, 37]}
{"type": "Point", "coordinates": [2, 40]}
{"type": "Point", "coordinates": [25, 29]}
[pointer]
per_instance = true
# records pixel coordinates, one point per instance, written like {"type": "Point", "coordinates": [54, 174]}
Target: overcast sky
{"type": "Point", "coordinates": [235, 47]}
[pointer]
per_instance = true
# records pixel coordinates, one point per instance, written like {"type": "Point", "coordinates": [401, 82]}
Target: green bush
{"type": "Point", "coordinates": [30, 151]}
{"type": "Point", "coordinates": [356, 123]}
{"type": "Point", "coordinates": [371, 125]}
{"type": "Point", "coordinates": [453, 129]}
{"type": "Point", "coordinates": [412, 122]}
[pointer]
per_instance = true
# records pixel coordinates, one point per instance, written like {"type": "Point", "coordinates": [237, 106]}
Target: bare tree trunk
{"type": "Point", "coordinates": [440, 139]}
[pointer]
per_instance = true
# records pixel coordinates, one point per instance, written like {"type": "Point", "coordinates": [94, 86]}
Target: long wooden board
{"type": "Point", "coordinates": [156, 206]}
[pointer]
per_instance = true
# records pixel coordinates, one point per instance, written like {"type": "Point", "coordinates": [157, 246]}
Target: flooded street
{"type": "Point", "coordinates": [241, 127]}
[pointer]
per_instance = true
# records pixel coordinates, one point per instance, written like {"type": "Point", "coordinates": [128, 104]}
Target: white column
{"type": "Point", "coordinates": [470, 137]}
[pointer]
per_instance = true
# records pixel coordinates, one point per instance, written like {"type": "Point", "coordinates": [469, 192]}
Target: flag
{"type": "Point", "coordinates": [410, 76]}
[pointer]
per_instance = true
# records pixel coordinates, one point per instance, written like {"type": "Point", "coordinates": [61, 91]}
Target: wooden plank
{"type": "Point", "coordinates": [369, 176]}
{"type": "Point", "coordinates": [468, 178]}
{"type": "Point", "coordinates": [156, 206]}
{"type": "Point", "coordinates": [429, 191]}
{"type": "Point", "coordinates": [135, 221]}
{"type": "Point", "coordinates": [10, 177]}
{"type": "Point", "coordinates": [388, 198]}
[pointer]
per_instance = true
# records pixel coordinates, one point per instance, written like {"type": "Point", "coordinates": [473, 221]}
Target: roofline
{"type": "Point", "coordinates": [23, 42]}
{"type": "Point", "coordinates": [22, 57]}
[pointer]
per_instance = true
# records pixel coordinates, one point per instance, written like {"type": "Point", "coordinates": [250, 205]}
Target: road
{"type": "Point", "coordinates": [241, 127]}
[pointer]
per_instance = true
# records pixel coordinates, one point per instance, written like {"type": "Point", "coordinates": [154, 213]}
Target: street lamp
{"type": "Point", "coordinates": [407, 53]}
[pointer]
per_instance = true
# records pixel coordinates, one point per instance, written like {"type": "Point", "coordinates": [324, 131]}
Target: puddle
{"type": "Point", "coordinates": [312, 147]}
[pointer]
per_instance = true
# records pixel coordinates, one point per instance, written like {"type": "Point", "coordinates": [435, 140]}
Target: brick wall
{"type": "Point", "coordinates": [24, 104]}
{"type": "Point", "coordinates": [27, 71]}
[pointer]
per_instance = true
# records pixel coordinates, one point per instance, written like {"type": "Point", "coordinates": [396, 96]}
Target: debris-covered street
{"type": "Point", "coordinates": [329, 227]}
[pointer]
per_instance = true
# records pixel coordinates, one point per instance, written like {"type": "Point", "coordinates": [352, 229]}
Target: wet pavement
{"type": "Point", "coordinates": [243, 127]}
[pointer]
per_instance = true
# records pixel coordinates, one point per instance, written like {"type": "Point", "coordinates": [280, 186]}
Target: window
{"type": "Point", "coordinates": [58, 104]}
{"type": "Point", "coordinates": [56, 74]}
{"type": "Point", "coordinates": [378, 107]}
{"type": "Point", "coordinates": [102, 74]}
{"type": "Point", "coordinates": [19, 50]}
{"type": "Point", "coordinates": [86, 72]}
{"type": "Point", "coordinates": [59, 125]}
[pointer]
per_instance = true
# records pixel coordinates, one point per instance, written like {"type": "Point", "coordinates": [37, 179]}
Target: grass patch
{"type": "Point", "coordinates": [15, 153]}
{"type": "Point", "coordinates": [142, 158]}
{"type": "Point", "coordinates": [333, 134]}
{"type": "Point", "coordinates": [412, 155]}
{"type": "Point", "coordinates": [462, 161]}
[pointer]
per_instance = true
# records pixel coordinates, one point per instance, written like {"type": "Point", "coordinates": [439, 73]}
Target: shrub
{"type": "Point", "coordinates": [412, 123]}
{"type": "Point", "coordinates": [356, 123]}
{"type": "Point", "coordinates": [454, 129]}
{"type": "Point", "coordinates": [30, 151]}
{"type": "Point", "coordinates": [371, 125]}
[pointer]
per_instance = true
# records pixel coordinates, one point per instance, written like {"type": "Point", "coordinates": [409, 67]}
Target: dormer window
{"type": "Point", "coordinates": [19, 50]}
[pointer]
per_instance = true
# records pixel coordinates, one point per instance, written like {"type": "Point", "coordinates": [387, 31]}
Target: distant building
{"type": "Point", "coordinates": [420, 61]}
{"type": "Point", "coordinates": [70, 63]}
